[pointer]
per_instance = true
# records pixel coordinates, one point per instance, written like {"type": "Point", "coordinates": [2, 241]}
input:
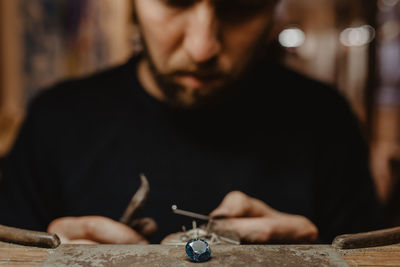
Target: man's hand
{"type": "Point", "coordinates": [94, 230]}
{"type": "Point", "coordinates": [256, 222]}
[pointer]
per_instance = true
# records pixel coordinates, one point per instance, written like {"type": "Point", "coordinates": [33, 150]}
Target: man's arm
{"type": "Point", "coordinates": [344, 198]}
{"type": "Point", "coordinates": [31, 192]}
{"type": "Point", "coordinates": [345, 195]}
{"type": "Point", "coordinates": [22, 199]}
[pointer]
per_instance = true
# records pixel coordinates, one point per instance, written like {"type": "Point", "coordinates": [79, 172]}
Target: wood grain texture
{"type": "Point", "coordinates": [13, 255]}
{"type": "Point", "coordinates": [378, 256]}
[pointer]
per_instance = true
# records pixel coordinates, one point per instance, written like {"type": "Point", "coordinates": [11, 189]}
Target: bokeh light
{"type": "Point", "coordinates": [292, 37]}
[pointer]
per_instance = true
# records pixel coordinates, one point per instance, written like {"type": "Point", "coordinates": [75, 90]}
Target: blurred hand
{"type": "Point", "coordinates": [256, 222]}
{"type": "Point", "coordinates": [94, 230]}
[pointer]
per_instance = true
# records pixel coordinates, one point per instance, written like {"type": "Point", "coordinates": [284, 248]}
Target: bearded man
{"type": "Point", "coordinates": [216, 128]}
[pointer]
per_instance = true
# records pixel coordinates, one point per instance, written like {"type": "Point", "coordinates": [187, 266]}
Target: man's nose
{"type": "Point", "coordinates": [202, 41]}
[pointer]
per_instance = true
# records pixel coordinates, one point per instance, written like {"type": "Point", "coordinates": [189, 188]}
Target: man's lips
{"type": "Point", "coordinates": [198, 81]}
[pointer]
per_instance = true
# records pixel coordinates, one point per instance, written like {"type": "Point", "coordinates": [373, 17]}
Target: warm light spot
{"type": "Point", "coordinates": [357, 36]}
{"type": "Point", "coordinates": [292, 37]}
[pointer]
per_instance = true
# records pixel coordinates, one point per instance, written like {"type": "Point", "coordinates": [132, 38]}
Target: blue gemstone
{"type": "Point", "coordinates": [198, 250]}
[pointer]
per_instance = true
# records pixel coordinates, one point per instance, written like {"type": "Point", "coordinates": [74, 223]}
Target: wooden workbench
{"type": "Point", "coordinates": [157, 255]}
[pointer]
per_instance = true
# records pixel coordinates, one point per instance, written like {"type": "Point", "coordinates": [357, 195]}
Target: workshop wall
{"type": "Point", "coordinates": [69, 38]}
{"type": "Point", "coordinates": [43, 41]}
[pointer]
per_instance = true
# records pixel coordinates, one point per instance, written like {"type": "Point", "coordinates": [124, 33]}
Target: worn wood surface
{"type": "Point", "coordinates": [377, 256]}
{"type": "Point", "coordinates": [168, 255]}
{"type": "Point", "coordinates": [13, 255]}
{"type": "Point", "coordinates": [86, 255]}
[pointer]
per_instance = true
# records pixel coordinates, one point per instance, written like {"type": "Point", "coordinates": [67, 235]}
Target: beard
{"type": "Point", "coordinates": [179, 96]}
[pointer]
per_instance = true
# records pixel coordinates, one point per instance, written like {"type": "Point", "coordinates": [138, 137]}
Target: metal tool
{"type": "Point", "coordinates": [369, 239]}
{"type": "Point", "coordinates": [145, 226]}
{"type": "Point", "coordinates": [189, 213]}
{"type": "Point", "coordinates": [137, 203]}
{"type": "Point", "coordinates": [28, 238]}
{"type": "Point", "coordinates": [206, 234]}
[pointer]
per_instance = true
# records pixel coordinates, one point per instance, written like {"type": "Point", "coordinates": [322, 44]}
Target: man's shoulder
{"type": "Point", "coordinates": [96, 89]}
{"type": "Point", "coordinates": [301, 87]}
{"type": "Point", "coordinates": [296, 101]}
{"type": "Point", "coordinates": [84, 104]}
{"type": "Point", "coordinates": [307, 94]}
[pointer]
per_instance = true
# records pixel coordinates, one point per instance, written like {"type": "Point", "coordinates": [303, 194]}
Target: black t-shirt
{"type": "Point", "coordinates": [285, 139]}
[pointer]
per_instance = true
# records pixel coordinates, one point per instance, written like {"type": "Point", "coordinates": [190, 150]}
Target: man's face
{"type": "Point", "coordinates": [197, 48]}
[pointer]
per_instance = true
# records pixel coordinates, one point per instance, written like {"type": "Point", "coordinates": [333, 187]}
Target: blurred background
{"type": "Point", "coordinates": [353, 45]}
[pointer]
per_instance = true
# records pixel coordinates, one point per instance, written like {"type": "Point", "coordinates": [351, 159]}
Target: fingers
{"type": "Point", "coordinates": [238, 204]}
{"type": "Point", "coordinates": [278, 229]}
{"type": "Point", "coordinates": [251, 230]}
{"type": "Point", "coordinates": [94, 229]}
{"type": "Point", "coordinates": [145, 226]}
{"type": "Point", "coordinates": [296, 229]}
